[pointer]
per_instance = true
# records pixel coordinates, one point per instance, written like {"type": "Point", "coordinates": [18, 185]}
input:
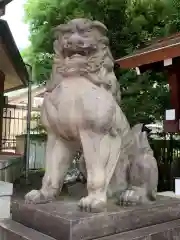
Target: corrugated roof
{"type": "Point", "coordinates": [20, 91]}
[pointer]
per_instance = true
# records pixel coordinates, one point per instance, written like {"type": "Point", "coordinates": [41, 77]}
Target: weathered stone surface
{"type": "Point", "coordinates": [164, 231]}
{"type": "Point", "coordinates": [64, 221]}
{"type": "Point", "coordinates": [10, 230]}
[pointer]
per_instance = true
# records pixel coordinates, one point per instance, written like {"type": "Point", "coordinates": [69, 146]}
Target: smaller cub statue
{"type": "Point", "coordinates": [81, 111]}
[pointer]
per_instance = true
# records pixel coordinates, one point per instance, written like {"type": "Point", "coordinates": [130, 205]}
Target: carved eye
{"type": "Point", "coordinates": [67, 35]}
{"type": "Point", "coordinates": [87, 30]}
{"type": "Point", "coordinates": [83, 31]}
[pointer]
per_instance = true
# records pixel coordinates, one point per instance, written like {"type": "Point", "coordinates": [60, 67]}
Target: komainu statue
{"type": "Point", "coordinates": [81, 111]}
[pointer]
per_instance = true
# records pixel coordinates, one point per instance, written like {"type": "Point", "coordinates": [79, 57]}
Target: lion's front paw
{"type": "Point", "coordinates": [33, 197]}
{"type": "Point", "coordinates": [93, 203]}
{"type": "Point", "coordinates": [132, 197]}
{"type": "Point", "coordinates": [36, 197]}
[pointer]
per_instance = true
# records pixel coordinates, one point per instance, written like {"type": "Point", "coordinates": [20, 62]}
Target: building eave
{"type": "Point", "coordinates": [162, 49]}
{"type": "Point", "coordinates": [3, 3]}
{"type": "Point", "coordinates": [13, 52]}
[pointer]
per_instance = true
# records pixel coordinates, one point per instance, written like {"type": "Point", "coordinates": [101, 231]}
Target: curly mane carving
{"type": "Point", "coordinates": [97, 63]}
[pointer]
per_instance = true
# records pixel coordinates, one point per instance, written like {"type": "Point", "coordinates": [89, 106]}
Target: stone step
{"type": "Point", "coordinates": [63, 220]}
{"type": "Point", "coordinates": [163, 231]}
{"type": "Point", "coordinates": [11, 230]}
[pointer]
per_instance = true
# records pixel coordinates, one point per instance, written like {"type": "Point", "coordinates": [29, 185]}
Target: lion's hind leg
{"type": "Point", "coordinates": [143, 181]}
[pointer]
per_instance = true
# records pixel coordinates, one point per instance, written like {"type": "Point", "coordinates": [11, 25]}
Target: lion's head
{"type": "Point", "coordinates": [82, 48]}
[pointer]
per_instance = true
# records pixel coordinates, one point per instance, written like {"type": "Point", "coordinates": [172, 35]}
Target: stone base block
{"type": "Point", "coordinates": [62, 220]}
{"type": "Point", "coordinates": [10, 230]}
{"type": "Point", "coordinates": [163, 231]}
{"type": "Point", "coordinates": [5, 203]}
{"type": "Point", "coordinates": [6, 190]}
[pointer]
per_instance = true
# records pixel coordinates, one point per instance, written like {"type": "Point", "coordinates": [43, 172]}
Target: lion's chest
{"type": "Point", "coordinates": [61, 106]}
{"type": "Point", "coordinates": [76, 103]}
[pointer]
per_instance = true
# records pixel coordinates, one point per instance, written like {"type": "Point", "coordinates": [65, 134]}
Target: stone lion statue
{"type": "Point", "coordinates": [81, 111]}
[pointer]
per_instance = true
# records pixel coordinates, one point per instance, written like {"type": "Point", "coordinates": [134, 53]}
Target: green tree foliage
{"type": "Point", "coordinates": [132, 24]}
{"type": "Point", "coordinates": [44, 15]}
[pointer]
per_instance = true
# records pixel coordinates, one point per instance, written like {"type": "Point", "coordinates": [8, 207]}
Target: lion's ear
{"type": "Point", "coordinates": [100, 26]}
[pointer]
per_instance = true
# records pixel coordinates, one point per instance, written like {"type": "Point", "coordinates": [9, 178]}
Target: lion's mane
{"type": "Point", "coordinates": [99, 68]}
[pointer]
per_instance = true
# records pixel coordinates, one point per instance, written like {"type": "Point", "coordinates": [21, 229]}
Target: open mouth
{"type": "Point", "coordinates": [76, 53]}
{"type": "Point", "coordinates": [79, 51]}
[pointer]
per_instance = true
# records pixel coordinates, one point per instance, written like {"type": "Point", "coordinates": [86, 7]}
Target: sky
{"type": "Point", "coordinates": [14, 16]}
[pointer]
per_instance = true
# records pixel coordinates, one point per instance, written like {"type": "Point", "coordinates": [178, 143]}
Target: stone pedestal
{"type": "Point", "coordinates": [10, 230]}
{"type": "Point", "coordinates": [62, 220]}
{"type": "Point", "coordinates": [6, 190]}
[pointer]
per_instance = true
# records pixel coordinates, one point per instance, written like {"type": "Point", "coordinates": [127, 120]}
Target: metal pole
{"type": "Point", "coordinates": [27, 148]}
